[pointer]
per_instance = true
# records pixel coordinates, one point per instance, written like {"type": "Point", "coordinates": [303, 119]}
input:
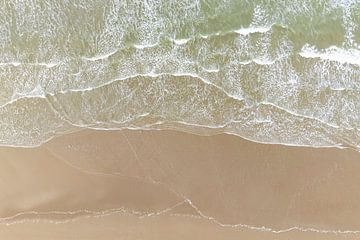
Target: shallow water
{"type": "Point", "coordinates": [286, 72]}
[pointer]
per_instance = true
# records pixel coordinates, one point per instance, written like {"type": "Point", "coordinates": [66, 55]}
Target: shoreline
{"type": "Point", "coordinates": [225, 178]}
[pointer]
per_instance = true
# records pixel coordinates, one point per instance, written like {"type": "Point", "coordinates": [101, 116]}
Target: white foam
{"type": "Point", "coordinates": [211, 70]}
{"type": "Point", "coordinates": [48, 65]}
{"type": "Point", "coordinates": [142, 46]}
{"type": "Point", "coordinates": [100, 57]}
{"type": "Point", "coordinates": [37, 92]}
{"type": "Point", "coordinates": [15, 64]}
{"type": "Point", "coordinates": [249, 30]}
{"type": "Point", "coordinates": [336, 54]}
{"type": "Point", "coordinates": [263, 61]}
{"type": "Point", "coordinates": [181, 41]}
{"type": "Point", "coordinates": [259, 61]}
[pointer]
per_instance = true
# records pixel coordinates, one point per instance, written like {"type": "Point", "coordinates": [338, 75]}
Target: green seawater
{"type": "Point", "coordinates": [270, 71]}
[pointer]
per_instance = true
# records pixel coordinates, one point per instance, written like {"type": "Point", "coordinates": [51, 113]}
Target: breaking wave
{"type": "Point", "coordinates": [284, 73]}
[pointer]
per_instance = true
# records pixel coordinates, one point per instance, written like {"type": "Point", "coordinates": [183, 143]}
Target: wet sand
{"type": "Point", "coordinates": [168, 185]}
{"type": "Point", "coordinates": [119, 226]}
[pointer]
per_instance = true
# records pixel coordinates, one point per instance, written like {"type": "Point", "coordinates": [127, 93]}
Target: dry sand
{"type": "Point", "coordinates": [173, 185]}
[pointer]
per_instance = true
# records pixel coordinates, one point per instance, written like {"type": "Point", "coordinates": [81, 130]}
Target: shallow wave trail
{"type": "Point", "coordinates": [285, 73]}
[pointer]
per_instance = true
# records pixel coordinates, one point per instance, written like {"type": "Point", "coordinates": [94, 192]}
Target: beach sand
{"type": "Point", "coordinates": [173, 185]}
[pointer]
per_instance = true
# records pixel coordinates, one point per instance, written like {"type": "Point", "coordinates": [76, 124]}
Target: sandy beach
{"type": "Point", "coordinates": [167, 185]}
{"type": "Point", "coordinates": [191, 119]}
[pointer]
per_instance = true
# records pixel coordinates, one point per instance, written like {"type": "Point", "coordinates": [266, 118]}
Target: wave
{"type": "Point", "coordinates": [142, 103]}
{"type": "Point", "coordinates": [350, 56]}
{"type": "Point", "coordinates": [239, 67]}
{"type": "Point", "coordinates": [247, 31]}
